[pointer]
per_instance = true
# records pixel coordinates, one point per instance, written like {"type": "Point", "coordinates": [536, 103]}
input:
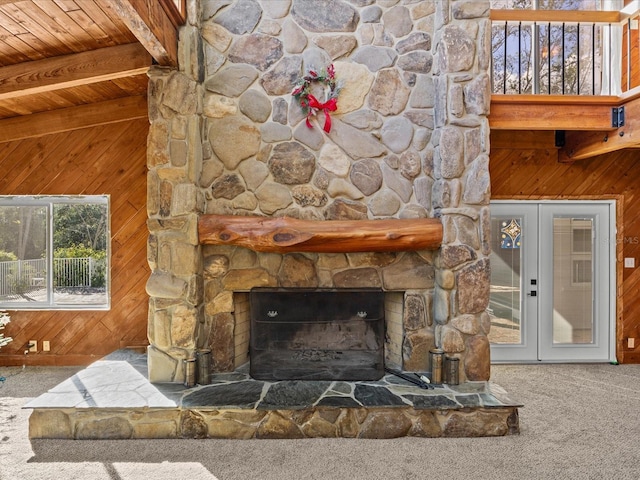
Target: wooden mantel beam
{"type": "Point", "coordinates": [66, 71]}
{"type": "Point", "coordinates": [284, 234]}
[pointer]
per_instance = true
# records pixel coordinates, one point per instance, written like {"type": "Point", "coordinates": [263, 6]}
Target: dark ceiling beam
{"type": "Point", "coordinates": [66, 71]}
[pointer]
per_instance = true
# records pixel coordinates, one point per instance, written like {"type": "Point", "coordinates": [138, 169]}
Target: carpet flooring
{"type": "Point", "coordinates": [578, 422]}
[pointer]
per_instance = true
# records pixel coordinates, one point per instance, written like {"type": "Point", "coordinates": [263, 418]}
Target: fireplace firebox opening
{"type": "Point", "coordinates": [317, 334]}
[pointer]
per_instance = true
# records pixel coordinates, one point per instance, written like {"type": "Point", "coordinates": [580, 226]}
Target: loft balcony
{"type": "Point", "coordinates": [566, 79]}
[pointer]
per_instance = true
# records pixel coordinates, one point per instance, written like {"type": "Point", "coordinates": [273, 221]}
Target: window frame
{"type": "Point", "coordinates": [49, 201]}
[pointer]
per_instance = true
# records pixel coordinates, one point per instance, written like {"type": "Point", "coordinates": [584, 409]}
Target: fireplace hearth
{"type": "Point", "coordinates": [113, 399]}
{"type": "Point", "coordinates": [317, 334]}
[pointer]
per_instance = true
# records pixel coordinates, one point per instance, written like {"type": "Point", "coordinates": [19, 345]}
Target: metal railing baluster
{"type": "Point", "coordinates": [564, 63]}
{"type": "Point", "coordinates": [593, 59]}
{"type": "Point", "coordinates": [549, 56]}
{"type": "Point", "coordinates": [504, 77]}
{"type": "Point", "coordinates": [520, 57]}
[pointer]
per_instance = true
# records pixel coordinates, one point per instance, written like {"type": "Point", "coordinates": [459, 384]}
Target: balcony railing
{"type": "Point", "coordinates": [562, 52]}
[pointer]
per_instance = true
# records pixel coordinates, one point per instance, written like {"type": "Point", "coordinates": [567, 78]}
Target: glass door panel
{"type": "Point", "coordinates": [504, 303]}
{"type": "Point", "coordinates": [513, 291]}
{"type": "Point", "coordinates": [577, 288]}
{"type": "Point", "coordinates": [572, 280]}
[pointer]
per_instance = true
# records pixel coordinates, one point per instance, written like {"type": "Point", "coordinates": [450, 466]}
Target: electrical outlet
{"type": "Point", "coordinates": [631, 342]}
{"type": "Point", "coordinates": [46, 346]}
{"type": "Point", "coordinates": [34, 345]}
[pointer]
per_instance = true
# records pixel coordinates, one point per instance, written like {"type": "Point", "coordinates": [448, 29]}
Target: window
{"type": "Point", "coordinates": [54, 252]}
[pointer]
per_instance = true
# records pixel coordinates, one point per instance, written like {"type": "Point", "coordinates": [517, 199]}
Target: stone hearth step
{"type": "Point", "coordinates": [113, 399]}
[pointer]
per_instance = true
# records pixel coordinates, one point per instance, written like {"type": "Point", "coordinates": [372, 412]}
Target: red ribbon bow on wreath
{"type": "Point", "coordinates": [310, 103]}
{"type": "Point", "coordinates": [329, 106]}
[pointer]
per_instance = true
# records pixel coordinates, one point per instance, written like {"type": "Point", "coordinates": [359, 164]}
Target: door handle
{"type": "Point", "coordinates": [533, 293]}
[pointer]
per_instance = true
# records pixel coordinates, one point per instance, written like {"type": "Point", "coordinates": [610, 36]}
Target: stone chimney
{"type": "Point", "coordinates": [409, 139]}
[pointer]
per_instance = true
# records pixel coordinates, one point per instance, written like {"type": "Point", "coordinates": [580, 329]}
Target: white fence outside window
{"type": "Point", "coordinates": [27, 275]}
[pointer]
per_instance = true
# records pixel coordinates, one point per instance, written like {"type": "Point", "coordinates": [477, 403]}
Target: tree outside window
{"type": "Point", "coordinates": [54, 252]}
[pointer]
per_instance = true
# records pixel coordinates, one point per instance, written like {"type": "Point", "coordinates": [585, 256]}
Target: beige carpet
{"type": "Point", "coordinates": [578, 422]}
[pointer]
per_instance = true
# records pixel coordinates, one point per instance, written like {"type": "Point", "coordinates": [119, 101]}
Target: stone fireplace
{"type": "Point", "coordinates": [409, 140]}
{"type": "Point", "coordinates": [392, 199]}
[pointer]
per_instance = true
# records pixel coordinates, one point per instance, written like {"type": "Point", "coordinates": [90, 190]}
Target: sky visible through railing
{"type": "Point", "coordinates": [558, 58]}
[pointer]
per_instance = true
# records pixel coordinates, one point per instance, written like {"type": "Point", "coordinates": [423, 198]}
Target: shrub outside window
{"type": "Point", "coordinates": [54, 252]}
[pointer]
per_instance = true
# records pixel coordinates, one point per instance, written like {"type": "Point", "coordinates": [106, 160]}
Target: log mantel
{"type": "Point", "coordinates": [285, 234]}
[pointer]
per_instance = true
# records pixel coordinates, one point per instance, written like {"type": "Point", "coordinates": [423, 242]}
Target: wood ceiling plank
{"type": "Point", "coordinates": [67, 5]}
{"type": "Point", "coordinates": [95, 30]}
{"type": "Point", "coordinates": [34, 104]}
{"type": "Point", "coordinates": [10, 25]}
{"type": "Point", "coordinates": [46, 33]}
{"type": "Point", "coordinates": [74, 35]}
{"type": "Point", "coordinates": [49, 17]}
{"type": "Point", "coordinates": [67, 119]}
{"type": "Point", "coordinates": [137, 85]}
{"type": "Point", "coordinates": [10, 2]}
{"type": "Point", "coordinates": [99, 91]}
{"type": "Point", "coordinates": [102, 13]}
{"type": "Point", "coordinates": [27, 47]}
{"type": "Point", "coordinates": [73, 70]}
{"type": "Point", "coordinates": [9, 55]}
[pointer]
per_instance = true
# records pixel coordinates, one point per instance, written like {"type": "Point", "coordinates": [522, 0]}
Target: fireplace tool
{"type": "Point", "coordinates": [419, 380]}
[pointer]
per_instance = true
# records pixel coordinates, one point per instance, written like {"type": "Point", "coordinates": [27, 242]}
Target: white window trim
{"type": "Point", "coordinates": [48, 201]}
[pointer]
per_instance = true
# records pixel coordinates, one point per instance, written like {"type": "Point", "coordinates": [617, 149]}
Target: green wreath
{"type": "Point", "coordinates": [309, 103]}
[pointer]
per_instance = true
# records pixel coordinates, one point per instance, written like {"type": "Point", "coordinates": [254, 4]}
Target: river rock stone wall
{"type": "Point", "coordinates": [409, 139]}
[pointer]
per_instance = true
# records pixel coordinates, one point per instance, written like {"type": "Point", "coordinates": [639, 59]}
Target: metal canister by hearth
{"type": "Point", "coordinates": [189, 372]}
{"type": "Point", "coordinates": [203, 364]}
{"type": "Point", "coordinates": [451, 370]}
{"type": "Point", "coordinates": [436, 356]}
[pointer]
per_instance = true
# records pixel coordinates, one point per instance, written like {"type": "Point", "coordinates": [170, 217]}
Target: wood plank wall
{"type": "Point", "coordinates": [632, 55]}
{"type": "Point", "coordinates": [536, 174]}
{"type": "Point", "coordinates": [102, 160]}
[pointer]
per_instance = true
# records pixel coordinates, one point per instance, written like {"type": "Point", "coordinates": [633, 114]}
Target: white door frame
{"type": "Point", "coordinates": [609, 238]}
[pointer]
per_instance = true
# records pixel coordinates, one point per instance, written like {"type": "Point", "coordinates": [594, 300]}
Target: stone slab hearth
{"type": "Point", "coordinates": [113, 399]}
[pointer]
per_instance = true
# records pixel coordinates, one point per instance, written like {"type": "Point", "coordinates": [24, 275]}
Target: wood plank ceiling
{"type": "Point", "coordinates": [67, 64]}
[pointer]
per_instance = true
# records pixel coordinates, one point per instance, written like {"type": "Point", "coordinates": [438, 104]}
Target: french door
{"type": "Point", "coordinates": [552, 281]}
